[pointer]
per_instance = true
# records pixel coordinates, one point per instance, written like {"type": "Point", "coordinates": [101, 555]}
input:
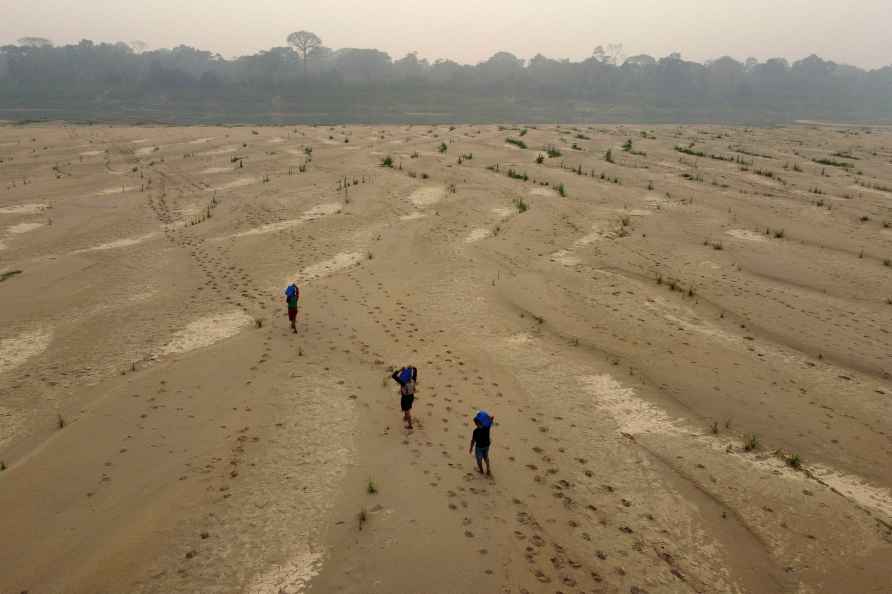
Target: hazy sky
{"type": "Point", "coordinates": [851, 31]}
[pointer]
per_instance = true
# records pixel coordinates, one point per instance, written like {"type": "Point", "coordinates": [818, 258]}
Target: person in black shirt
{"type": "Point", "coordinates": [480, 440]}
{"type": "Point", "coordinates": [406, 377]}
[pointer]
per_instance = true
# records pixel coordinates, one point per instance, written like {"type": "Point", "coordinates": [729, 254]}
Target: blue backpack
{"type": "Point", "coordinates": [292, 291]}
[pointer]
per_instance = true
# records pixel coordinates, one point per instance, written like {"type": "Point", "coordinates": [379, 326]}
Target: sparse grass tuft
{"type": "Point", "coordinates": [794, 461]}
{"type": "Point", "coordinates": [562, 190]}
{"type": "Point", "coordinates": [516, 142]}
{"type": "Point", "coordinates": [9, 274]}
{"type": "Point", "coordinates": [362, 518]}
{"type": "Point", "coordinates": [387, 162]}
{"type": "Point", "coordinates": [779, 233]}
{"type": "Point", "coordinates": [832, 163]}
{"type": "Point", "coordinates": [751, 443]}
{"type": "Point", "coordinates": [690, 151]}
{"type": "Point", "coordinates": [371, 488]}
{"type": "Point", "coordinates": [608, 156]}
{"type": "Point", "coordinates": [442, 148]}
{"type": "Point", "coordinates": [517, 175]}
{"type": "Point", "coordinates": [60, 420]}
{"type": "Point", "coordinates": [521, 205]}
{"type": "Point", "coordinates": [552, 151]}
{"type": "Point", "coordinates": [714, 429]}
{"type": "Point", "coordinates": [540, 158]}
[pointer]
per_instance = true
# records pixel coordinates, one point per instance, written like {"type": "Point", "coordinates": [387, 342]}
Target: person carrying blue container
{"type": "Point", "coordinates": [480, 439]}
{"type": "Point", "coordinates": [406, 377]}
{"type": "Point", "coordinates": [292, 295]}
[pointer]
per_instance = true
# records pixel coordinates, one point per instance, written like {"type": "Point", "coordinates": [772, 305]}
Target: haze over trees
{"type": "Point", "coordinates": [305, 42]}
{"type": "Point", "coordinates": [308, 82]}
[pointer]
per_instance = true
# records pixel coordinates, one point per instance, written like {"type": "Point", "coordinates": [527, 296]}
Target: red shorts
{"type": "Point", "coordinates": [292, 314]}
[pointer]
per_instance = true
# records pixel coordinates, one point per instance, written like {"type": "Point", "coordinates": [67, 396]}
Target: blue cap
{"type": "Point", "coordinates": [484, 418]}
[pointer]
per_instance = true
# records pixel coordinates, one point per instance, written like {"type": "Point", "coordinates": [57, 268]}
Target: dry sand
{"type": "Point", "coordinates": [162, 430]}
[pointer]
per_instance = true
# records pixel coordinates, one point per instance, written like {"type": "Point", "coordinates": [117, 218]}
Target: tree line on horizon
{"type": "Point", "coordinates": [305, 81]}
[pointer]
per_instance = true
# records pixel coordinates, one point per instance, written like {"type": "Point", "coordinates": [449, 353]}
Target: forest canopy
{"type": "Point", "coordinates": [307, 82]}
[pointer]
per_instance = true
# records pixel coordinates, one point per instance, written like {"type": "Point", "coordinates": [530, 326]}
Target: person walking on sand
{"type": "Point", "coordinates": [292, 294]}
{"type": "Point", "coordinates": [480, 439]}
{"type": "Point", "coordinates": [406, 377]}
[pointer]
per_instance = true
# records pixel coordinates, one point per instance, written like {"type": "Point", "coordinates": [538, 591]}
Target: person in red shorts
{"type": "Point", "coordinates": [292, 294]}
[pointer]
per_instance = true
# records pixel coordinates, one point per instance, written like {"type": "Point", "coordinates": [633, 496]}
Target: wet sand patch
{"type": "Point", "coordinates": [17, 349]}
{"type": "Point", "coordinates": [23, 228]}
{"type": "Point", "coordinates": [268, 228]}
{"type": "Point", "coordinates": [598, 232]}
{"type": "Point", "coordinates": [413, 216]}
{"type": "Point", "coordinates": [219, 151]}
{"type": "Point", "coordinates": [118, 243]}
{"type": "Point", "coordinates": [519, 339]}
{"type": "Point", "coordinates": [238, 183]}
{"type": "Point", "coordinates": [206, 331]}
{"type": "Point", "coordinates": [321, 210]}
{"type": "Point", "coordinates": [11, 422]}
{"type": "Point", "coordinates": [632, 414]}
{"type": "Point", "coordinates": [565, 257]}
{"type": "Point", "coordinates": [870, 496]}
{"type": "Point", "coordinates": [477, 235]}
{"type": "Point", "coordinates": [313, 214]}
{"type": "Point", "coordinates": [427, 195]}
{"type": "Point", "coordinates": [547, 192]}
{"type": "Point", "coordinates": [292, 576]}
{"type": "Point", "coordinates": [656, 200]}
{"type": "Point", "coordinates": [24, 209]}
{"type": "Point", "coordinates": [120, 190]}
{"type": "Point", "coordinates": [326, 267]}
{"type": "Point", "coordinates": [745, 235]}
